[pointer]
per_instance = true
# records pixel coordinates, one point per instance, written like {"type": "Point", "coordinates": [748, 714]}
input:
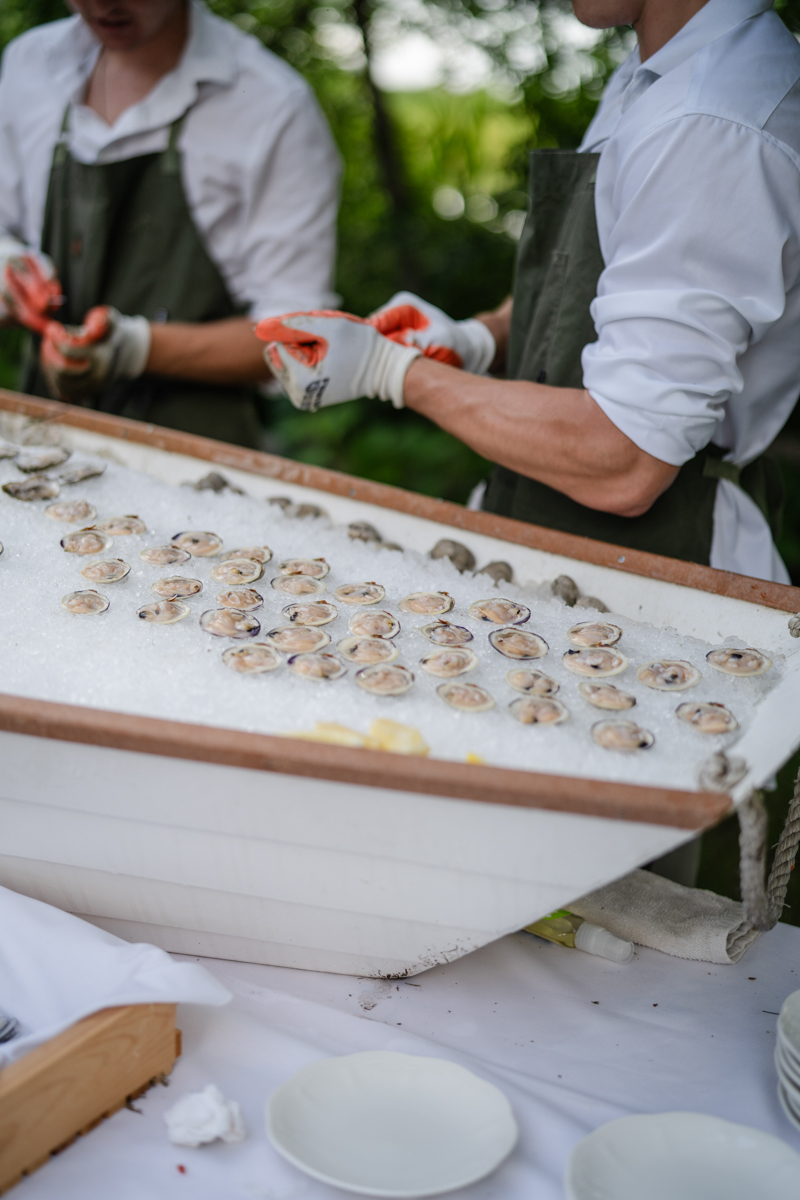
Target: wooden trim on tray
{"type": "Point", "coordinates": [365, 768]}
{"type": "Point", "coordinates": [604, 554]}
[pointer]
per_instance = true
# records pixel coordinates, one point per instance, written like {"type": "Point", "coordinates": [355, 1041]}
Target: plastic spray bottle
{"type": "Point", "coordinates": [566, 929]}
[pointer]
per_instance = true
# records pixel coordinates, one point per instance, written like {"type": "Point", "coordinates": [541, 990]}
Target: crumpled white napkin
{"type": "Point", "coordinates": [56, 968]}
{"type": "Point", "coordinates": [686, 922]}
{"type": "Point", "coordinates": [203, 1117]}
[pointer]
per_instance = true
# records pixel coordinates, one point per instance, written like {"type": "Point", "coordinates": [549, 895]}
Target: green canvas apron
{"type": "Point", "coordinates": [558, 266]}
{"type": "Point", "coordinates": [122, 233]}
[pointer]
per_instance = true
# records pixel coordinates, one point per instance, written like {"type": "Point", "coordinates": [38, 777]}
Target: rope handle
{"type": "Point", "coordinates": [764, 904]}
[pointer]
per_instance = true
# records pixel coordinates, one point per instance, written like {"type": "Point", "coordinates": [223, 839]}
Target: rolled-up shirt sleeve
{"type": "Point", "coordinates": [703, 246]}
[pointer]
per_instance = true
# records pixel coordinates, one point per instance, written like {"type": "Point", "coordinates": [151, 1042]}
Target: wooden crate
{"type": "Point", "coordinates": [68, 1085]}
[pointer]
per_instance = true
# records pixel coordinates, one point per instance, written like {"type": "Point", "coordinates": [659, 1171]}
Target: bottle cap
{"type": "Point", "coordinates": [596, 940]}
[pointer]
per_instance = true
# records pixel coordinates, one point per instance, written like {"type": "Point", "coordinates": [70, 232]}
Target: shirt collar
{"type": "Point", "coordinates": [715, 18]}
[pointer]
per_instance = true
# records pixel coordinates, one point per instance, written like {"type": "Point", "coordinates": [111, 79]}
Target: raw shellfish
{"type": "Point", "coordinates": [708, 718]}
{"type": "Point", "coordinates": [106, 570]}
{"type": "Point", "coordinates": [237, 571]}
{"type": "Point", "coordinates": [79, 474]}
{"type": "Point", "coordinates": [360, 593]}
{"type": "Point", "coordinates": [499, 611]}
{"type": "Point", "coordinates": [8, 451]}
{"type": "Point", "coordinates": [606, 695]}
{"type": "Point", "coordinates": [531, 683]}
{"type": "Point", "coordinates": [362, 531]}
{"type": "Point", "coordinates": [253, 659]}
{"type": "Point", "coordinates": [535, 710]}
{"type": "Point", "coordinates": [448, 663]}
{"type": "Point", "coordinates": [38, 487]}
{"type": "Point", "coordinates": [739, 662]}
{"type": "Point", "coordinates": [622, 735]}
{"type": "Point", "coordinates": [228, 622]}
{"type": "Point", "coordinates": [500, 572]}
{"type": "Point", "coordinates": [518, 643]}
{"type": "Point", "coordinates": [259, 554]}
{"type": "Point", "coordinates": [164, 612]}
{"type": "Point", "coordinates": [383, 680]}
{"type": "Point", "coordinates": [317, 666]}
{"type": "Point", "coordinates": [379, 624]}
{"type": "Point", "coordinates": [164, 556]}
{"type": "Point", "coordinates": [176, 587]}
{"type": "Point", "coordinates": [317, 568]}
{"type": "Point", "coordinates": [427, 604]}
{"type": "Point", "coordinates": [40, 458]}
{"type": "Point", "coordinates": [668, 675]}
{"type": "Point", "coordinates": [443, 633]}
{"type": "Point", "coordinates": [594, 633]}
{"type": "Point", "coordinates": [297, 585]}
{"type": "Point", "coordinates": [298, 639]}
{"type": "Point", "coordinates": [121, 526]}
{"type": "Point", "coordinates": [71, 511]}
{"type": "Point", "coordinates": [594, 661]}
{"type": "Point", "coordinates": [199, 543]}
{"type": "Point", "coordinates": [367, 650]}
{"type": "Point", "coordinates": [460, 555]}
{"type": "Point", "coordinates": [85, 541]}
{"type": "Point", "coordinates": [244, 598]}
{"type": "Point", "coordinates": [467, 697]}
{"type": "Point", "coordinates": [84, 604]}
{"type": "Point", "coordinates": [313, 612]}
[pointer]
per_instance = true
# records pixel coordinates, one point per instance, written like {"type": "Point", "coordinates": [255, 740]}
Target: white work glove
{"type": "Point", "coordinates": [324, 358]}
{"type": "Point", "coordinates": [80, 361]}
{"type": "Point", "coordinates": [413, 322]}
{"type": "Point", "coordinates": [30, 293]}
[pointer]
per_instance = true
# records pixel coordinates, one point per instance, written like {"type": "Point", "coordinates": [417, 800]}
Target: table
{"type": "Point", "coordinates": [572, 1040]}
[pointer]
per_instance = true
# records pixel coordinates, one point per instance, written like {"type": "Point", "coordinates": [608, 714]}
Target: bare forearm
{"type": "Point", "coordinates": [558, 436]}
{"type": "Point", "coordinates": [213, 352]}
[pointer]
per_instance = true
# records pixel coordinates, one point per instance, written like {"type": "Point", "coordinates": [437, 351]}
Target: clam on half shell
{"type": "Point", "coordinates": [297, 585]}
{"type": "Point", "coordinates": [164, 612]}
{"type": "Point", "coordinates": [427, 604]}
{"type": "Point", "coordinates": [443, 633]}
{"type": "Point", "coordinates": [316, 666]}
{"type": "Point", "coordinates": [313, 612]}
{"type": "Point", "coordinates": [317, 568]}
{"type": "Point", "coordinates": [298, 639]}
{"type": "Point", "coordinates": [253, 659]}
{"type": "Point", "coordinates": [450, 662]}
{"type": "Point", "coordinates": [84, 604]}
{"type": "Point", "coordinates": [106, 570]}
{"type": "Point", "coordinates": [378, 624]}
{"type": "Point", "coordinates": [244, 598]}
{"type": "Point", "coordinates": [536, 710]}
{"type": "Point", "coordinates": [597, 661]}
{"type": "Point", "coordinates": [237, 571]}
{"type": "Point", "coordinates": [71, 511]}
{"type": "Point", "coordinates": [227, 622]}
{"type": "Point", "coordinates": [606, 695]}
{"type": "Point", "coordinates": [466, 697]}
{"type": "Point", "coordinates": [626, 736]}
{"type": "Point", "coordinates": [518, 643]}
{"type": "Point", "coordinates": [594, 633]}
{"type": "Point", "coordinates": [385, 680]}
{"type": "Point", "coordinates": [121, 526]}
{"type": "Point", "coordinates": [360, 593]}
{"type": "Point", "coordinates": [259, 554]}
{"type": "Point", "coordinates": [707, 718]}
{"type": "Point", "coordinates": [739, 662]}
{"type": "Point", "coordinates": [531, 683]}
{"type": "Point", "coordinates": [198, 543]}
{"type": "Point", "coordinates": [367, 650]}
{"type": "Point", "coordinates": [85, 541]}
{"type": "Point", "coordinates": [668, 675]}
{"type": "Point", "coordinates": [176, 587]}
{"type": "Point", "coordinates": [499, 611]}
{"type": "Point", "coordinates": [164, 556]}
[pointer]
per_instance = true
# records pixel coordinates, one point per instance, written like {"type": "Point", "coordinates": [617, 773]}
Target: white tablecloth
{"type": "Point", "coordinates": [572, 1040]}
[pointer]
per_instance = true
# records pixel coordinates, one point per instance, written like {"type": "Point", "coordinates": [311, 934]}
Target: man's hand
{"type": "Point", "coordinates": [80, 361]}
{"type": "Point", "coordinates": [30, 293]}
{"type": "Point", "coordinates": [413, 322]}
{"type": "Point", "coordinates": [324, 358]}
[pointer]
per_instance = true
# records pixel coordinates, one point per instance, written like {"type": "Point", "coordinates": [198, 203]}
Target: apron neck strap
{"type": "Point", "coordinates": [171, 159]}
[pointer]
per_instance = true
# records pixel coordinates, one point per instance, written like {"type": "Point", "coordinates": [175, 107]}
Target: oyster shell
{"type": "Point", "coordinates": [227, 622]}
{"type": "Point", "coordinates": [244, 598]}
{"type": "Point", "coordinates": [443, 633]}
{"type": "Point", "coordinates": [383, 680]}
{"type": "Point", "coordinates": [362, 531]}
{"type": "Point", "coordinates": [708, 718]}
{"type": "Point", "coordinates": [106, 570]}
{"type": "Point", "coordinates": [199, 543]}
{"type": "Point", "coordinates": [594, 633]}
{"type": "Point", "coordinates": [237, 571]}
{"type": "Point", "coordinates": [535, 710]}
{"type": "Point", "coordinates": [460, 555]}
{"type": "Point", "coordinates": [164, 612]}
{"type": "Point", "coordinates": [316, 666]}
{"type": "Point", "coordinates": [176, 587]}
{"type": "Point", "coordinates": [518, 643]}
{"type": "Point", "coordinates": [259, 554]}
{"type": "Point", "coordinates": [591, 602]}
{"type": "Point", "coordinates": [8, 451]}
{"type": "Point", "coordinates": [79, 474]}
{"type": "Point", "coordinates": [317, 568]}
{"type": "Point", "coordinates": [164, 556]}
{"type": "Point", "coordinates": [427, 604]}
{"type": "Point", "coordinates": [500, 572]}
{"type": "Point", "coordinates": [307, 510]}
{"type": "Point", "coordinates": [594, 661]}
{"type": "Point", "coordinates": [281, 502]}
{"type": "Point", "coordinates": [668, 675]}
{"type": "Point", "coordinates": [40, 458]}
{"type": "Point", "coordinates": [38, 487]}
{"type": "Point", "coordinates": [360, 593]}
{"type": "Point", "coordinates": [380, 624]}
{"type": "Point", "coordinates": [739, 662]}
{"type": "Point", "coordinates": [297, 585]}
{"type": "Point", "coordinates": [298, 639]}
{"type": "Point", "coordinates": [85, 541]}
{"type": "Point", "coordinates": [626, 736]}
{"type": "Point", "coordinates": [121, 526]}
{"type": "Point", "coordinates": [312, 612]}
{"type": "Point", "coordinates": [566, 589]}
{"type": "Point", "coordinates": [252, 659]}
{"type": "Point", "coordinates": [367, 650]}
{"type": "Point", "coordinates": [447, 664]}
{"type": "Point", "coordinates": [531, 683]}
{"type": "Point", "coordinates": [84, 604]}
{"type": "Point", "coordinates": [71, 511]}
{"type": "Point", "coordinates": [467, 697]}
{"type": "Point", "coordinates": [499, 611]}
{"type": "Point", "coordinates": [606, 695]}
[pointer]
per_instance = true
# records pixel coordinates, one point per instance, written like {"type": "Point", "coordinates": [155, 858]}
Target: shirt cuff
{"type": "Point", "coordinates": [672, 439]}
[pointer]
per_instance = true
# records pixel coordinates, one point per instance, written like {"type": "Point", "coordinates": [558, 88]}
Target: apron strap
{"type": "Point", "coordinates": [171, 159]}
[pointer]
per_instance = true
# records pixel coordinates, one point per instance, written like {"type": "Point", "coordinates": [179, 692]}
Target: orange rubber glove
{"type": "Point", "coordinates": [30, 291]}
{"type": "Point", "coordinates": [411, 321]}
{"type": "Point", "coordinates": [79, 361]}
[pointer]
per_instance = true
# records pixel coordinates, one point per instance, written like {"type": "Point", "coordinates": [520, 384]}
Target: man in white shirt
{"type": "Point", "coordinates": [173, 169]}
{"type": "Point", "coordinates": [653, 349]}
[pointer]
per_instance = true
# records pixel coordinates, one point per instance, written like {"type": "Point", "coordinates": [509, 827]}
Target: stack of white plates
{"type": "Point", "coordinates": [787, 1057]}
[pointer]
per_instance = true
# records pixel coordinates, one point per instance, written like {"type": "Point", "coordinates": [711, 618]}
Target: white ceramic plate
{"type": "Point", "coordinates": [681, 1156]}
{"type": "Point", "coordinates": [386, 1124]}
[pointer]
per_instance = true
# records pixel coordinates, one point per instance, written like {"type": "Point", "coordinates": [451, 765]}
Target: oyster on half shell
{"type": "Point", "coordinates": [297, 585]}
{"type": "Point", "coordinates": [311, 612]}
{"type": "Point", "coordinates": [378, 624]}
{"type": "Point", "coordinates": [518, 643]}
{"type": "Point", "coordinates": [707, 718]}
{"type": "Point", "coordinates": [245, 598]}
{"type": "Point", "coordinates": [106, 570]}
{"type": "Point", "coordinates": [594, 633]}
{"type": "Point", "coordinates": [71, 511]}
{"type": "Point", "coordinates": [40, 458]}
{"type": "Point", "coordinates": [84, 604]}
{"type": "Point", "coordinates": [499, 611]}
{"type": "Point", "coordinates": [385, 680]}
{"type": "Point", "coordinates": [38, 487]}
{"type": "Point", "coordinates": [450, 662]}
{"type": "Point", "coordinates": [237, 571]}
{"type": "Point", "coordinates": [538, 710]}
{"type": "Point", "coordinates": [316, 666]}
{"type": "Point", "coordinates": [259, 554]}
{"type": "Point", "coordinates": [595, 661]}
{"type": "Point", "coordinates": [360, 593]}
{"type": "Point", "coordinates": [164, 612]}
{"type": "Point", "coordinates": [668, 675]}
{"type": "Point", "coordinates": [531, 683]}
{"type": "Point", "coordinates": [427, 604]}
{"type": "Point", "coordinates": [121, 526]}
{"type": "Point", "coordinates": [198, 543]}
{"type": "Point", "coordinates": [466, 697]}
{"type": "Point", "coordinates": [85, 541]}
{"type": "Point", "coordinates": [367, 650]}
{"type": "Point", "coordinates": [252, 659]}
{"type": "Point", "coordinates": [297, 639]}
{"type": "Point", "coordinates": [739, 662]}
{"type": "Point", "coordinates": [443, 633]}
{"type": "Point", "coordinates": [317, 568]}
{"type": "Point", "coordinates": [176, 587]}
{"type": "Point", "coordinates": [626, 736]}
{"type": "Point", "coordinates": [79, 474]}
{"type": "Point", "coordinates": [606, 695]}
{"type": "Point", "coordinates": [228, 622]}
{"type": "Point", "coordinates": [164, 556]}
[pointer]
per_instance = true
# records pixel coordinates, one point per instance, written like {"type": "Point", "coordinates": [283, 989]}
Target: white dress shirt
{"type": "Point", "coordinates": [259, 165]}
{"type": "Point", "coordinates": [698, 212]}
